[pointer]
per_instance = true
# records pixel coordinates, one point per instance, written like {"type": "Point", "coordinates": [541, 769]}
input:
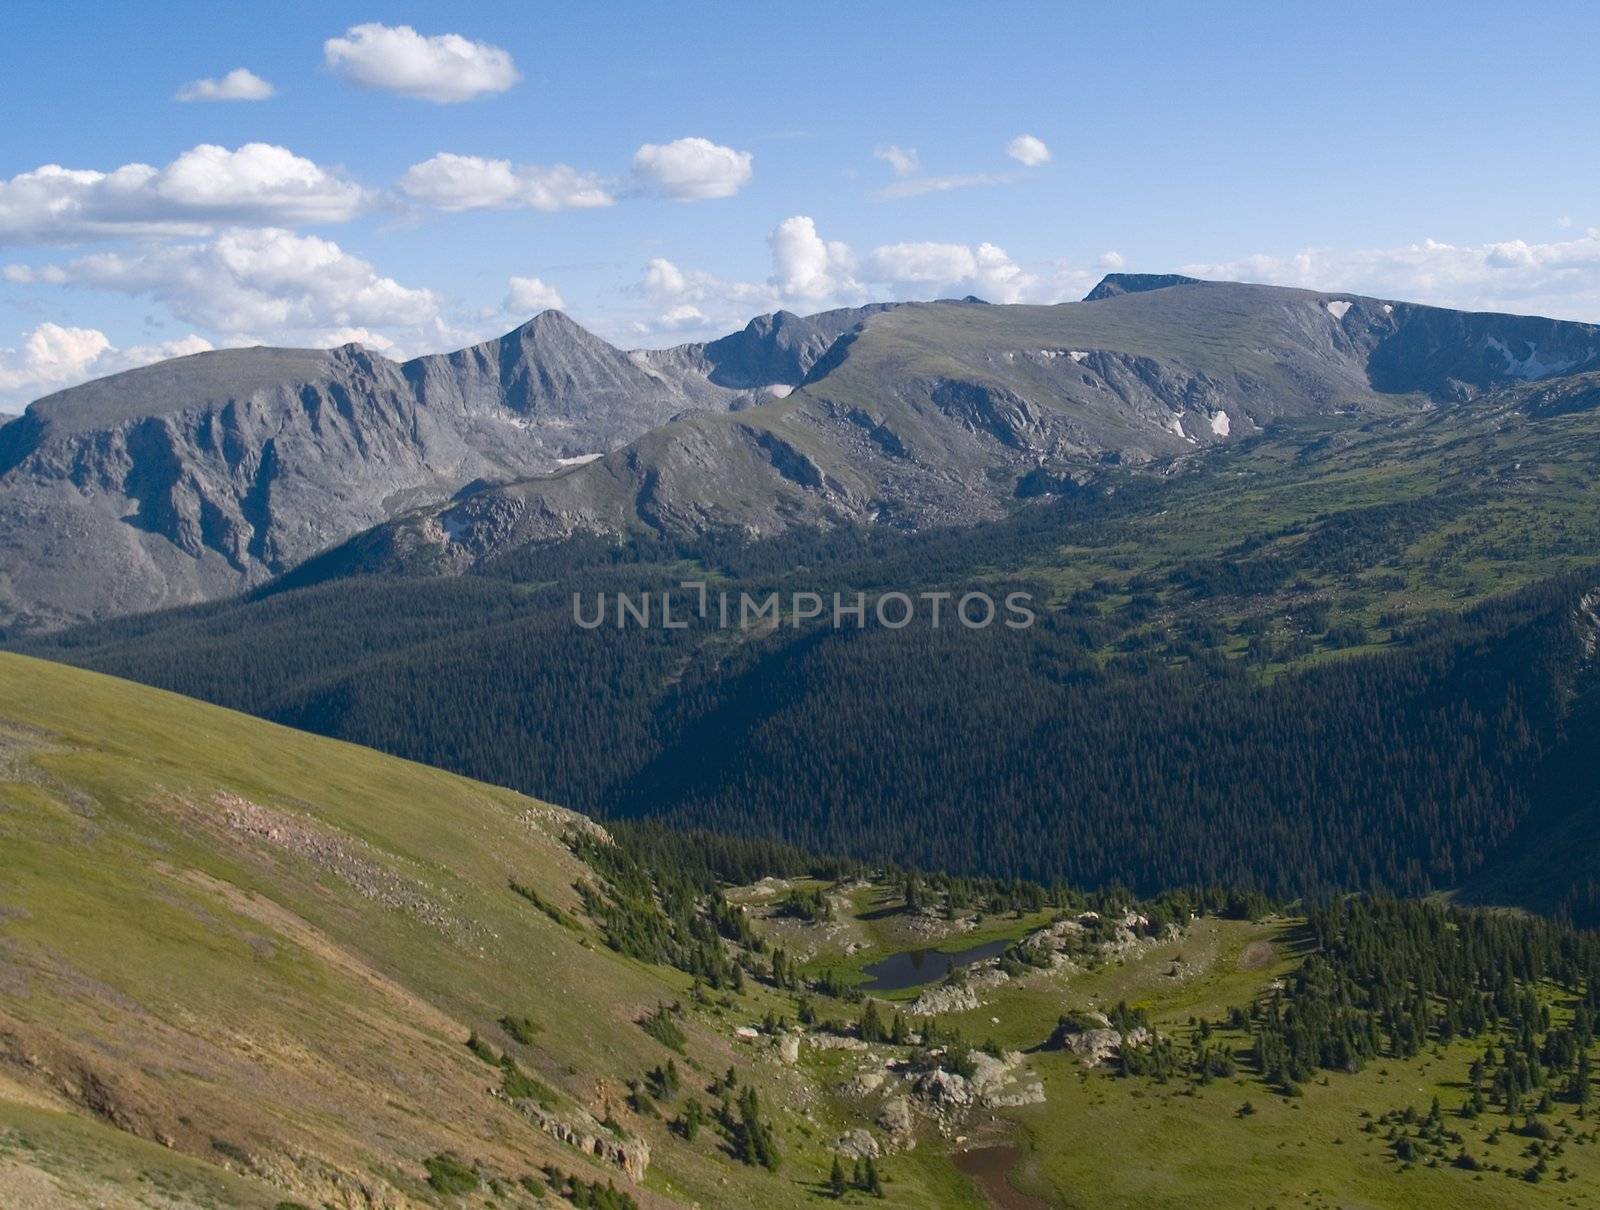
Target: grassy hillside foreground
{"type": "Point", "coordinates": [240, 966]}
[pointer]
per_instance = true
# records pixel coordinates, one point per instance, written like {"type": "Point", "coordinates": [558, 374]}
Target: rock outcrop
{"type": "Point", "coordinates": [579, 1130]}
{"type": "Point", "coordinates": [955, 997]}
{"type": "Point", "coordinates": [858, 1144]}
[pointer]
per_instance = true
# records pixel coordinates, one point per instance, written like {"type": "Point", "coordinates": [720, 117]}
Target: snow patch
{"type": "Point", "coordinates": [1388, 309]}
{"type": "Point", "coordinates": [778, 390]}
{"type": "Point", "coordinates": [1177, 427]}
{"type": "Point", "coordinates": [1079, 356]}
{"type": "Point", "coordinates": [1221, 425]}
{"type": "Point", "coordinates": [579, 460]}
{"type": "Point", "coordinates": [1337, 308]}
{"type": "Point", "coordinates": [1530, 366]}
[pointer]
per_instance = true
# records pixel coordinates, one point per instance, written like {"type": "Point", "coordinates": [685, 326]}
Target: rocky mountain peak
{"type": "Point", "coordinates": [553, 325]}
{"type": "Point", "coordinates": [1113, 284]}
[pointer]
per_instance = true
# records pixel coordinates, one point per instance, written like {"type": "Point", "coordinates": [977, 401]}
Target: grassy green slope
{"type": "Point", "coordinates": [1101, 1139]}
{"type": "Point", "coordinates": [260, 954]}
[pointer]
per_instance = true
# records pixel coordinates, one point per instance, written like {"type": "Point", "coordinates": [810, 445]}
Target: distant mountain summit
{"type": "Point", "coordinates": [1113, 284]}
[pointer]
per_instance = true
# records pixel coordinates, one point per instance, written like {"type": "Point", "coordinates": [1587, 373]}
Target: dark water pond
{"type": "Point", "coordinates": [987, 1168]}
{"type": "Point", "coordinates": [916, 967]}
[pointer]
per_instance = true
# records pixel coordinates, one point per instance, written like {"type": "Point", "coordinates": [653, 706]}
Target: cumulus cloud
{"type": "Point", "coordinates": [204, 186]}
{"type": "Point", "coordinates": [1028, 151]}
{"type": "Point", "coordinates": [1112, 260]}
{"type": "Point", "coordinates": [240, 84]}
{"type": "Point", "coordinates": [674, 291]}
{"type": "Point", "coordinates": [468, 182]}
{"type": "Point", "coordinates": [261, 282]}
{"type": "Point", "coordinates": [806, 267]}
{"type": "Point", "coordinates": [664, 280]}
{"type": "Point", "coordinates": [683, 315]}
{"type": "Point", "coordinates": [811, 273]}
{"type": "Point", "coordinates": [442, 68]}
{"type": "Point", "coordinates": [53, 357]}
{"type": "Point", "coordinates": [49, 356]}
{"type": "Point", "coordinates": [692, 170]}
{"type": "Point", "coordinates": [984, 270]}
{"type": "Point", "coordinates": [902, 161]}
{"type": "Point", "coordinates": [1560, 279]}
{"type": "Point", "coordinates": [530, 295]}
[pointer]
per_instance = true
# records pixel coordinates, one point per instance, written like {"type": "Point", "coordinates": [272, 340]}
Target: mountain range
{"type": "Point", "coordinates": [199, 477]}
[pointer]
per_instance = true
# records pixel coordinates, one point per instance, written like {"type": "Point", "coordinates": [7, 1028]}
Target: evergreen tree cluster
{"type": "Point", "coordinates": [1387, 978]}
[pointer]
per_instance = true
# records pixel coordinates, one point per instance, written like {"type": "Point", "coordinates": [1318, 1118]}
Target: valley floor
{"type": "Point", "coordinates": [244, 966]}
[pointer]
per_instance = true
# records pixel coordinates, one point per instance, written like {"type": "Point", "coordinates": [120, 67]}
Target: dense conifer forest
{"type": "Point", "coordinates": [1077, 750]}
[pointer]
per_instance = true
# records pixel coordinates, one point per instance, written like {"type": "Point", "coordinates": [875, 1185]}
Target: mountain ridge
{"type": "Point", "coordinates": [931, 414]}
{"type": "Point", "coordinates": [201, 476]}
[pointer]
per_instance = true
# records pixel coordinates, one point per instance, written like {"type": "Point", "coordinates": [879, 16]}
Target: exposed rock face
{"type": "Point", "coordinates": [780, 348]}
{"type": "Point", "coordinates": [204, 475]}
{"type": "Point", "coordinates": [995, 1082]}
{"type": "Point", "coordinates": [589, 1137]}
{"type": "Point", "coordinates": [943, 1087]}
{"type": "Point", "coordinates": [945, 998]}
{"type": "Point", "coordinates": [1113, 284]}
{"type": "Point", "coordinates": [1095, 1046]}
{"type": "Point", "coordinates": [864, 1083]}
{"type": "Point", "coordinates": [858, 1144]}
{"type": "Point", "coordinates": [899, 1122]}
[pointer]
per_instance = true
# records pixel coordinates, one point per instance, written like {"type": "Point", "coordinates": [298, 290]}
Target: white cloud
{"type": "Point", "coordinates": [985, 270]}
{"type": "Point", "coordinates": [530, 295]}
{"type": "Point", "coordinates": [692, 170]}
{"type": "Point", "coordinates": [679, 317]}
{"type": "Point", "coordinates": [902, 161]}
{"type": "Point", "coordinates": [468, 182]}
{"type": "Point", "coordinates": [50, 356]}
{"type": "Point", "coordinates": [53, 357]}
{"type": "Point", "coordinates": [664, 280]}
{"type": "Point", "coordinates": [916, 186]}
{"type": "Point", "coordinates": [333, 338]}
{"type": "Point", "coordinates": [240, 84]}
{"type": "Point", "coordinates": [811, 273]}
{"type": "Point", "coordinates": [921, 263]}
{"type": "Point", "coordinates": [1112, 260]}
{"type": "Point", "coordinates": [442, 68]}
{"type": "Point", "coordinates": [806, 267]}
{"type": "Point", "coordinates": [675, 294]}
{"type": "Point", "coordinates": [1560, 279]}
{"type": "Point", "coordinates": [204, 186]}
{"type": "Point", "coordinates": [1028, 151]}
{"type": "Point", "coordinates": [262, 282]}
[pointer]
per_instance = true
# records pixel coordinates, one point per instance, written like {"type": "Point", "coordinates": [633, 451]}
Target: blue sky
{"type": "Point", "coordinates": [1442, 153]}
